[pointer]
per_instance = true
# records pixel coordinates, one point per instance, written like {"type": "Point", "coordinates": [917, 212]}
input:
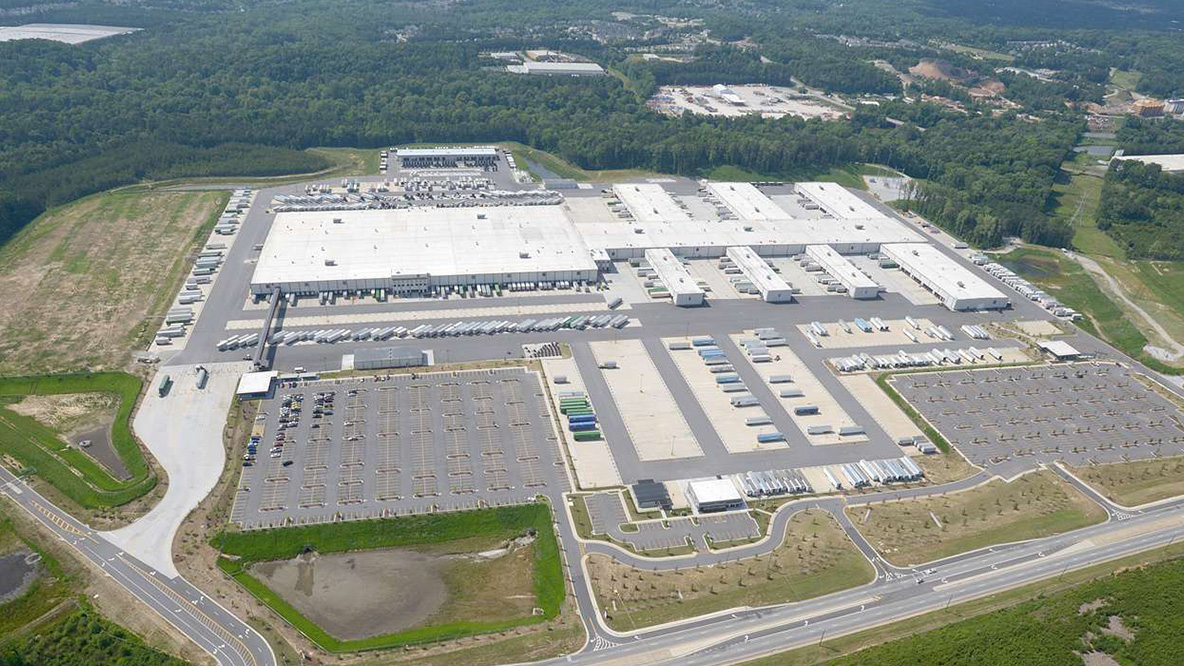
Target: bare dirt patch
{"type": "Point", "coordinates": [374, 592]}
{"type": "Point", "coordinates": [69, 413]}
{"type": "Point", "coordinates": [79, 287]}
{"type": "Point", "coordinates": [1117, 628]}
{"type": "Point", "coordinates": [363, 594]}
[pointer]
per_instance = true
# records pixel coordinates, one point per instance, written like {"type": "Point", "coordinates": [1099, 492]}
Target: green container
{"type": "Point", "coordinates": [586, 435]}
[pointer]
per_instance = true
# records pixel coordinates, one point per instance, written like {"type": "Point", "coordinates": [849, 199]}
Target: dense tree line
{"type": "Point", "coordinates": [84, 638]}
{"type": "Point", "coordinates": [1143, 209]}
{"type": "Point", "coordinates": [1160, 136]}
{"type": "Point", "coordinates": [243, 92]}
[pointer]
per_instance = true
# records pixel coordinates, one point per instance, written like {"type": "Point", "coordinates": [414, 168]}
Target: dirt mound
{"type": "Point", "coordinates": [943, 71]}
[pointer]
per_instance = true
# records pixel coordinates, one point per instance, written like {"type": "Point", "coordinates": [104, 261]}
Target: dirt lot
{"type": "Point", "coordinates": [79, 286]}
{"type": "Point", "coordinates": [375, 592]}
{"type": "Point", "coordinates": [816, 559]}
{"type": "Point", "coordinates": [1135, 483]}
{"type": "Point", "coordinates": [913, 531]}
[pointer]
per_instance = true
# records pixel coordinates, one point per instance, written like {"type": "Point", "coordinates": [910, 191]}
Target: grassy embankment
{"type": "Point", "coordinates": [816, 558]}
{"type": "Point", "coordinates": [1071, 284]}
{"type": "Point", "coordinates": [913, 531]}
{"type": "Point", "coordinates": [67, 469]}
{"type": "Point", "coordinates": [436, 531]}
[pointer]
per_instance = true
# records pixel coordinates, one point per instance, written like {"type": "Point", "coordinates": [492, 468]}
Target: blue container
{"type": "Point", "coordinates": [577, 427]}
{"type": "Point", "coordinates": [703, 342]}
{"type": "Point", "coordinates": [770, 437]}
{"type": "Point", "coordinates": [582, 418]}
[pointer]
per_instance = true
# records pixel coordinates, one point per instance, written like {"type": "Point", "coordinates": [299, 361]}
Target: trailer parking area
{"type": "Point", "coordinates": [655, 424]}
{"type": "Point", "coordinates": [1080, 413]}
{"type": "Point", "coordinates": [804, 391]}
{"type": "Point", "coordinates": [374, 447]}
{"type": "Point", "coordinates": [714, 391]}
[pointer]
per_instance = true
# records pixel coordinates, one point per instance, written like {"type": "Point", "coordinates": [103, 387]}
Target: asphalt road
{"type": "Point", "coordinates": [213, 628]}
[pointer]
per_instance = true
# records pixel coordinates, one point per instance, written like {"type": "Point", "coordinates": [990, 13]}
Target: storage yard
{"type": "Point", "coordinates": [739, 100]}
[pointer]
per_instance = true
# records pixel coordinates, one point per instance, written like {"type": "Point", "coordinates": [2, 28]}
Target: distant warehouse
{"type": "Point", "coordinates": [446, 158]}
{"type": "Point", "coordinates": [953, 284]}
{"type": "Point", "coordinates": [558, 68]}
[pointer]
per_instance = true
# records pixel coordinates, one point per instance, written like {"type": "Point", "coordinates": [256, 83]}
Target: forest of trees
{"type": "Point", "coordinates": [205, 89]}
{"type": "Point", "coordinates": [1143, 209]}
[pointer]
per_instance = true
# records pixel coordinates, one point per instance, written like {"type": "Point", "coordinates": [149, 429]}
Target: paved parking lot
{"type": "Point", "coordinates": [364, 448]}
{"type": "Point", "coordinates": [1077, 413]}
{"type": "Point", "coordinates": [607, 512]}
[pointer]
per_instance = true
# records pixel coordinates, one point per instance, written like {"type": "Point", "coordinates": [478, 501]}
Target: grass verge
{"type": "Point", "coordinates": [1136, 483]}
{"type": "Point", "coordinates": [816, 558]}
{"type": "Point", "coordinates": [913, 531]}
{"type": "Point", "coordinates": [67, 469]}
{"type": "Point", "coordinates": [247, 548]}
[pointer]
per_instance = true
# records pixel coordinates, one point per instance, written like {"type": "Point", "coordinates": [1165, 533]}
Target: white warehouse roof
{"type": "Point", "coordinates": [1169, 163]}
{"type": "Point", "coordinates": [758, 271]}
{"type": "Point", "coordinates": [562, 68]}
{"type": "Point", "coordinates": [678, 281]}
{"type": "Point", "coordinates": [958, 288]}
{"type": "Point", "coordinates": [380, 244]}
{"type": "Point", "coordinates": [842, 270]}
{"type": "Point", "coordinates": [747, 202]}
{"type": "Point", "coordinates": [649, 202]}
{"type": "Point", "coordinates": [838, 201]}
{"type": "Point", "coordinates": [710, 491]}
{"type": "Point", "coordinates": [256, 383]}
{"type": "Point", "coordinates": [445, 151]}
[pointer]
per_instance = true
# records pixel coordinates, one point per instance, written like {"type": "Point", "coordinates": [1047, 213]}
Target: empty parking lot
{"type": "Point", "coordinates": [1077, 413]}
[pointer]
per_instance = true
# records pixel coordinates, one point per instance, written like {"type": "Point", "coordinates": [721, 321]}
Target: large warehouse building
{"type": "Point", "coordinates": [414, 250]}
{"type": "Point", "coordinates": [684, 292]}
{"type": "Point", "coordinates": [954, 285]}
{"type": "Point", "coordinates": [447, 157]}
{"type": "Point", "coordinates": [771, 286]}
{"type": "Point", "coordinates": [411, 250]}
{"type": "Point", "coordinates": [858, 285]}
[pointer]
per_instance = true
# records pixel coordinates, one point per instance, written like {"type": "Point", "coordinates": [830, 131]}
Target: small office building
{"type": "Point", "coordinates": [714, 495]}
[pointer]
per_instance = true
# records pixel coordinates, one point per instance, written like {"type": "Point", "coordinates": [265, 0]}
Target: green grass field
{"type": "Point", "coordinates": [435, 531]}
{"type": "Point", "coordinates": [1068, 281]}
{"type": "Point", "coordinates": [67, 469]}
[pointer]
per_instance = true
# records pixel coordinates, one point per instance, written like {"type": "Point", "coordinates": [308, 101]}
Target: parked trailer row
{"type": "Point", "coordinates": [773, 483]}
{"type": "Point", "coordinates": [330, 336]}
{"type": "Point", "coordinates": [976, 332]}
{"type": "Point", "coordinates": [1030, 291]}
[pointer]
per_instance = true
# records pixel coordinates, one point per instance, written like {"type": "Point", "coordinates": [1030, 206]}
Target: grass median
{"type": "Point", "coordinates": [66, 468]}
{"type": "Point", "coordinates": [441, 533]}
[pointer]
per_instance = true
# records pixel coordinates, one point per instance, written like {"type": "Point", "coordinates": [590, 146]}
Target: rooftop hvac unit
{"type": "Point", "coordinates": [337, 220]}
{"type": "Point", "coordinates": [524, 255]}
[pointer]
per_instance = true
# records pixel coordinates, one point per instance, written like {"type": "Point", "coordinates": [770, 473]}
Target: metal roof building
{"type": "Point", "coordinates": [559, 68]}
{"type": "Point", "coordinates": [650, 494]}
{"type": "Point", "coordinates": [446, 156]}
{"type": "Point", "coordinates": [684, 291]}
{"type": "Point", "coordinates": [838, 201]}
{"type": "Point", "coordinates": [407, 250]}
{"type": "Point", "coordinates": [953, 284]}
{"type": "Point", "coordinates": [858, 285]}
{"type": "Point", "coordinates": [772, 288]}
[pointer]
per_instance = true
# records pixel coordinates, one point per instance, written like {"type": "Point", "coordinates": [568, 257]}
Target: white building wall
{"type": "Point", "coordinates": [772, 287]}
{"type": "Point", "coordinates": [859, 286]}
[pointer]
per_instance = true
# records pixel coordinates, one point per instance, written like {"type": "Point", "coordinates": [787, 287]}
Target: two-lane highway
{"type": "Point", "coordinates": [213, 628]}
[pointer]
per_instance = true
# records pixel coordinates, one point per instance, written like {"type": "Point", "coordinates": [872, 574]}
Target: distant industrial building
{"type": "Point", "coordinates": [771, 286]}
{"type": "Point", "coordinates": [1174, 106]}
{"type": "Point", "coordinates": [446, 157]}
{"type": "Point", "coordinates": [684, 291]}
{"type": "Point", "coordinates": [1148, 108]}
{"type": "Point", "coordinates": [388, 357]}
{"type": "Point", "coordinates": [557, 68]}
{"type": "Point", "coordinates": [858, 285]}
{"type": "Point", "coordinates": [1169, 163]}
{"type": "Point", "coordinates": [955, 286]}
{"type": "Point", "coordinates": [714, 495]}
